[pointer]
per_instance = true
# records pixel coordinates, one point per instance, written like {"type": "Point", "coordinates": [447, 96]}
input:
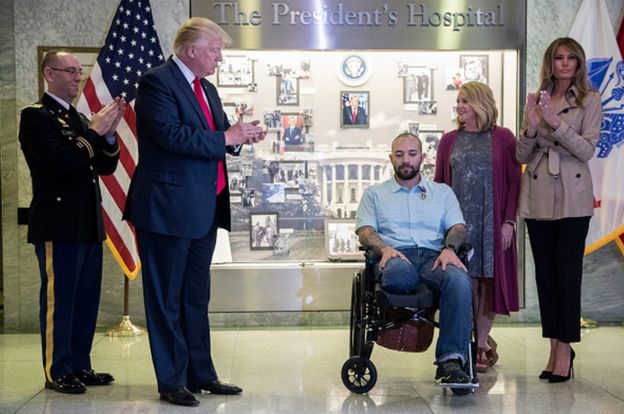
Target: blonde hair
{"type": "Point", "coordinates": [197, 28]}
{"type": "Point", "coordinates": [547, 76]}
{"type": "Point", "coordinates": [481, 99]}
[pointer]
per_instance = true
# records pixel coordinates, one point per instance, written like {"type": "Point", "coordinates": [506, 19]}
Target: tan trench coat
{"type": "Point", "coordinates": [557, 182]}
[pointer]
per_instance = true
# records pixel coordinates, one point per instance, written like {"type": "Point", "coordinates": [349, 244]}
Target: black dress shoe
{"type": "Point", "coordinates": [216, 387]}
{"type": "Point", "coordinates": [181, 396]}
{"type": "Point", "coordinates": [90, 377]}
{"type": "Point", "coordinates": [67, 384]}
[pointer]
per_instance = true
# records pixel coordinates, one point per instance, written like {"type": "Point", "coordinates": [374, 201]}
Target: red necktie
{"type": "Point", "coordinates": [204, 106]}
{"type": "Point", "coordinates": [354, 116]}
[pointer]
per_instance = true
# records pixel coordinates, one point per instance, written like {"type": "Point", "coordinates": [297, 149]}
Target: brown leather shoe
{"type": "Point", "coordinates": [181, 396]}
{"type": "Point", "coordinates": [90, 377]}
{"type": "Point", "coordinates": [67, 384]}
{"type": "Point", "coordinates": [216, 387]}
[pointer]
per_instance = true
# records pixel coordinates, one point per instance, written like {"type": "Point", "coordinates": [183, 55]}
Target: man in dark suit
{"type": "Point", "coordinates": [354, 114]}
{"type": "Point", "coordinates": [66, 153]}
{"type": "Point", "coordinates": [178, 198]}
{"type": "Point", "coordinates": [292, 134]}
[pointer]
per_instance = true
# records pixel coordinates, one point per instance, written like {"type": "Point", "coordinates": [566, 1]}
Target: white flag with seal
{"type": "Point", "coordinates": [592, 28]}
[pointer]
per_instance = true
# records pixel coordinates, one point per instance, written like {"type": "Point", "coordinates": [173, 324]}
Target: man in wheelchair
{"type": "Point", "coordinates": [416, 226]}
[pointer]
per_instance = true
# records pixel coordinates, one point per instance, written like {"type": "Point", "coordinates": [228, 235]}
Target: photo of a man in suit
{"type": "Point", "coordinates": [353, 113]}
{"type": "Point", "coordinates": [292, 134]}
{"type": "Point", "coordinates": [178, 198]}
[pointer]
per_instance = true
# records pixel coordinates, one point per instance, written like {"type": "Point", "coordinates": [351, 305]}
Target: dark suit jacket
{"type": "Point", "coordinates": [347, 116]}
{"type": "Point", "coordinates": [173, 190]}
{"type": "Point", "coordinates": [292, 136]}
{"type": "Point", "coordinates": [65, 159]}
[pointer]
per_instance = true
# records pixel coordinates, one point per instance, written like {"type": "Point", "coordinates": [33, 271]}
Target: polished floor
{"type": "Point", "coordinates": [298, 371]}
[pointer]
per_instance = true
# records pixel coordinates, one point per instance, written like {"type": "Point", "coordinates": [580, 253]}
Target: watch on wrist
{"type": "Point", "coordinates": [451, 247]}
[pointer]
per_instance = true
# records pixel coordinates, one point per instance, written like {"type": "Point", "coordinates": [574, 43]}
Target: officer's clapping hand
{"type": "Point", "coordinates": [106, 120]}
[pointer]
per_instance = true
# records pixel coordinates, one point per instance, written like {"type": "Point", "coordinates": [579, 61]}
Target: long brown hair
{"type": "Point", "coordinates": [580, 81]}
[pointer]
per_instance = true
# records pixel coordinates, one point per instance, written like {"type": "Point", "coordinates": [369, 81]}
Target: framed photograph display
{"type": "Point", "coordinates": [355, 106]}
{"type": "Point", "coordinates": [427, 108]}
{"type": "Point", "coordinates": [235, 72]}
{"type": "Point", "coordinates": [418, 84]}
{"type": "Point", "coordinates": [248, 197]}
{"type": "Point", "coordinates": [413, 128]}
{"type": "Point", "coordinates": [273, 119]}
{"type": "Point", "coordinates": [273, 193]}
{"type": "Point", "coordinates": [474, 68]}
{"type": "Point", "coordinates": [453, 79]}
{"type": "Point", "coordinates": [430, 140]}
{"type": "Point", "coordinates": [230, 110]}
{"type": "Point", "coordinates": [341, 241]}
{"type": "Point", "coordinates": [354, 70]}
{"type": "Point", "coordinates": [287, 90]}
{"type": "Point", "coordinates": [290, 173]}
{"type": "Point", "coordinates": [292, 131]}
{"type": "Point", "coordinates": [237, 182]}
{"type": "Point", "coordinates": [263, 230]}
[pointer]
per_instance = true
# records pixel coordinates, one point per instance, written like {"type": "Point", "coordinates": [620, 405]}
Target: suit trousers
{"type": "Point", "coordinates": [71, 281]}
{"type": "Point", "coordinates": [176, 290]}
{"type": "Point", "coordinates": [558, 247]}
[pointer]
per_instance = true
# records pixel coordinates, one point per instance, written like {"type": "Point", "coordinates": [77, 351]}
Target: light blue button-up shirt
{"type": "Point", "coordinates": [403, 218]}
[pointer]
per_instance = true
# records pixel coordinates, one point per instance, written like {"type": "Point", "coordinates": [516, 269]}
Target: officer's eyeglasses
{"type": "Point", "coordinates": [71, 71]}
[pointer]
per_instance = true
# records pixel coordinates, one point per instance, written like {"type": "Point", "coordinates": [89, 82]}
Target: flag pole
{"type": "Point", "coordinates": [125, 327]}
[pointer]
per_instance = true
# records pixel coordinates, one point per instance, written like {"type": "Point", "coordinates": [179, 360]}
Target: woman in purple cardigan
{"type": "Point", "coordinates": [478, 161]}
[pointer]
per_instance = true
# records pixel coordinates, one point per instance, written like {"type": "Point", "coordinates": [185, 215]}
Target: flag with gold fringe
{"type": "Point", "coordinates": [592, 28]}
{"type": "Point", "coordinates": [131, 48]}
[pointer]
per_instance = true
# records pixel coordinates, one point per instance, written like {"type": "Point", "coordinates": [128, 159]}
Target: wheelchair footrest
{"type": "Point", "coordinates": [460, 385]}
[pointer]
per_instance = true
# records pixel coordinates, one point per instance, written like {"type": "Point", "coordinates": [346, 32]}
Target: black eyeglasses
{"type": "Point", "coordinates": [71, 71]}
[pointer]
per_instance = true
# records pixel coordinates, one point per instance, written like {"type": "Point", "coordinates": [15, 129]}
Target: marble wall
{"type": "Point", "coordinates": [26, 24]}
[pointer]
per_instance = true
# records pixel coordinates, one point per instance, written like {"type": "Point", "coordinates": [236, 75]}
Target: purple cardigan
{"type": "Point", "coordinates": [506, 173]}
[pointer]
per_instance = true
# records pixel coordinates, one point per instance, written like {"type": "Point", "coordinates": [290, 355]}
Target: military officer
{"type": "Point", "coordinates": [66, 153]}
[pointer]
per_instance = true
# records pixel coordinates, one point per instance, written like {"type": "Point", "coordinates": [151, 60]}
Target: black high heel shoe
{"type": "Point", "coordinates": [560, 378]}
{"type": "Point", "coordinates": [545, 374]}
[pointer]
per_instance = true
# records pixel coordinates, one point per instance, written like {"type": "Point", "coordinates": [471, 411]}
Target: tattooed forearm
{"type": "Point", "coordinates": [455, 236]}
{"type": "Point", "coordinates": [369, 238]}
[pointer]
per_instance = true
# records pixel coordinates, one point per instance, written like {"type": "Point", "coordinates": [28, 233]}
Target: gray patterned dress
{"type": "Point", "coordinates": [471, 163]}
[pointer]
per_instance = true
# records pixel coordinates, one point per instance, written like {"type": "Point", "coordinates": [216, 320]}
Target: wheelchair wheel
{"type": "Point", "coordinates": [356, 333]}
{"type": "Point", "coordinates": [359, 375]}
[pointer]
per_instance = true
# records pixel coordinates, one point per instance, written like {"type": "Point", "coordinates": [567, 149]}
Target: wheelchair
{"type": "Point", "coordinates": [403, 322]}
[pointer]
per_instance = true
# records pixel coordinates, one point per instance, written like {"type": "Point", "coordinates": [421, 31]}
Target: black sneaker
{"type": "Point", "coordinates": [451, 372]}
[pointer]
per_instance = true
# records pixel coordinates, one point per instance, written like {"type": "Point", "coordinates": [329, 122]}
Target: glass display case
{"type": "Point", "coordinates": [330, 118]}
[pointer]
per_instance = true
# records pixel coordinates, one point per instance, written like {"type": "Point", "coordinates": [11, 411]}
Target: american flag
{"type": "Point", "coordinates": [131, 48]}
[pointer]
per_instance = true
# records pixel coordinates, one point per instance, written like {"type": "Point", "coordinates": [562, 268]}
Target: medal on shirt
{"type": "Point", "coordinates": [423, 192]}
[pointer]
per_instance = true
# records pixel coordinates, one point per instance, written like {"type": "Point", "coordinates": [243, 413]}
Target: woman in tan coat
{"type": "Point", "coordinates": [561, 129]}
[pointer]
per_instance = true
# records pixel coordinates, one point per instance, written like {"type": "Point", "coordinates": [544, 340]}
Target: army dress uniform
{"type": "Point", "coordinates": [65, 225]}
